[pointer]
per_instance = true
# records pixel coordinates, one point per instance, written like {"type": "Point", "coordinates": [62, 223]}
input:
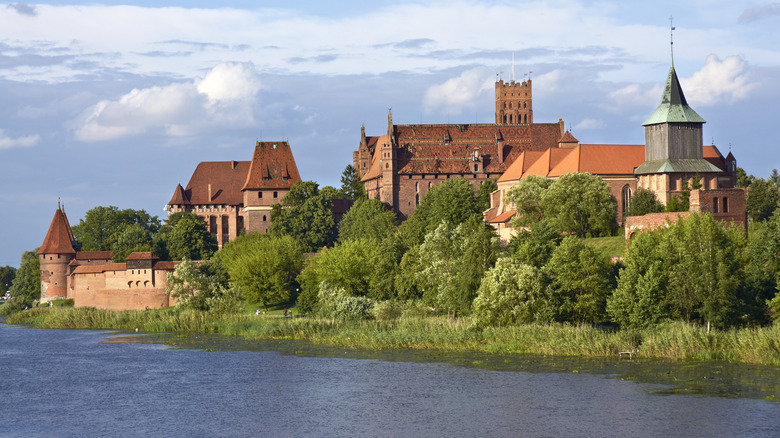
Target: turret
{"type": "Point", "coordinates": [514, 103]}
{"type": "Point", "coordinates": [56, 252]}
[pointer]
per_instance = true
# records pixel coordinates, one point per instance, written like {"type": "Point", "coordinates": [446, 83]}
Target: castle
{"type": "Point", "coordinates": [402, 165]}
{"type": "Point", "coordinates": [235, 195]}
{"type": "Point", "coordinates": [92, 279]}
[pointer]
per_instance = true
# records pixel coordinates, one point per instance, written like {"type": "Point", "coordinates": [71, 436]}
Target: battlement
{"type": "Point", "coordinates": [514, 103]}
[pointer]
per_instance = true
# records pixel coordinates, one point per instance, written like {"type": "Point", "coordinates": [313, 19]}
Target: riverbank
{"type": "Point", "coordinates": [673, 341]}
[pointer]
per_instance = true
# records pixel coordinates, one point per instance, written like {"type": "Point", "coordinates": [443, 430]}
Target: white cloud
{"type": "Point", "coordinates": [589, 123]}
{"type": "Point", "coordinates": [635, 96]}
{"type": "Point", "coordinates": [459, 93]}
{"type": "Point", "coordinates": [222, 99]}
{"type": "Point", "coordinates": [719, 81]}
{"type": "Point", "coordinates": [7, 142]}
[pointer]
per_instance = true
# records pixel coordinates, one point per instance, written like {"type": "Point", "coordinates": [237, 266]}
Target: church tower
{"type": "Point", "coordinates": [513, 103]}
{"type": "Point", "coordinates": [673, 146]}
{"type": "Point", "coordinates": [56, 252]}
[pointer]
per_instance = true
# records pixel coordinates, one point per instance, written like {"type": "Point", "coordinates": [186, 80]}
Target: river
{"type": "Point", "coordinates": [76, 383]}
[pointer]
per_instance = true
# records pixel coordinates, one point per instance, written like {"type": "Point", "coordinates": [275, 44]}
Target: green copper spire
{"type": "Point", "coordinates": [673, 108]}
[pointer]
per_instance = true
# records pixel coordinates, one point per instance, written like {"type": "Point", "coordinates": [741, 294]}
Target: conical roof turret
{"type": "Point", "coordinates": [59, 238]}
{"type": "Point", "coordinates": [673, 107]}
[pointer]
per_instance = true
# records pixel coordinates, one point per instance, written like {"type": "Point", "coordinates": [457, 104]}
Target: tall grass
{"type": "Point", "coordinates": [677, 341]}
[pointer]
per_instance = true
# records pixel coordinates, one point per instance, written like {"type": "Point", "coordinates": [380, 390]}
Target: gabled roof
{"type": "Point", "coordinates": [272, 167]}
{"type": "Point", "coordinates": [97, 269]}
{"type": "Point", "coordinates": [520, 166]}
{"type": "Point", "coordinates": [59, 238]}
{"type": "Point", "coordinates": [600, 159]}
{"type": "Point", "coordinates": [502, 218]}
{"type": "Point", "coordinates": [673, 108]}
{"type": "Point", "coordinates": [375, 170]}
{"type": "Point", "coordinates": [226, 179]}
{"type": "Point", "coordinates": [547, 161]}
{"type": "Point", "coordinates": [141, 256]}
{"type": "Point", "coordinates": [94, 255]}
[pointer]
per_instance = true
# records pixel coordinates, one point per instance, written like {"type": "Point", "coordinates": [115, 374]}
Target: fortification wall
{"type": "Point", "coordinates": [120, 290]}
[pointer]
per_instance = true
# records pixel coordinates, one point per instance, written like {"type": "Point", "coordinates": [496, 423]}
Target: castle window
{"type": "Point", "coordinates": [476, 167]}
{"type": "Point", "coordinates": [417, 199]}
{"type": "Point", "coordinates": [264, 218]}
{"type": "Point", "coordinates": [276, 195]}
{"type": "Point", "coordinates": [259, 195]}
{"type": "Point", "coordinates": [626, 192]}
{"type": "Point", "coordinates": [715, 205]}
{"type": "Point", "coordinates": [725, 205]}
{"type": "Point", "coordinates": [387, 165]}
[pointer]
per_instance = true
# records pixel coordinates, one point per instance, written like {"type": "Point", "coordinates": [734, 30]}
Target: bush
{"type": "Point", "coordinates": [388, 310]}
{"type": "Point", "coordinates": [335, 303]}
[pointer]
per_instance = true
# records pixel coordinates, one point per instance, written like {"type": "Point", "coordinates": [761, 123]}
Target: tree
{"type": "Point", "coordinates": [643, 202]}
{"type": "Point", "coordinates": [536, 245]}
{"type": "Point", "coordinates": [351, 187]}
{"type": "Point", "coordinates": [452, 202]}
{"type": "Point", "coordinates": [7, 274]}
{"type": "Point", "coordinates": [26, 286]}
{"type": "Point", "coordinates": [132, 239]}
{"type": "Point", "coordinates": [743, 179]}
{"type": "Point", "coordinates": [512, 293]}
{"type": "Point", "coordinates": [483, 194]}
{"type": "Point", "coordinates": [369, 218]}
{"type": "Point", "coordinates": [527, 196]}
{"type": "Point", "coordinates": [582, 204]}
{"type": "Point", "coordinates": [190, 239]}
{"type": "Point", "coordinates": [202, 286]}
{"type": "Point", "coordinates": [639, 300]}
{"type": "Point", "coordinates": [579, 281]}
{"type": "Point", "coordinates": [305, 214]}
{"type": "Point", "coordinates": [101, 226]}
{"type": "Point", "coordinates": [452, 263]}
{"type": "Point", "coordinates": [263, 266]}
{"type": "Point", "coordinates": [350, 266]}
{"type": "Point", "coordinates": [762, 199]}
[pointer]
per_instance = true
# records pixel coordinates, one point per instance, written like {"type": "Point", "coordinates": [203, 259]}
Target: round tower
{"type": "Point", "coordinates": [55, 255]}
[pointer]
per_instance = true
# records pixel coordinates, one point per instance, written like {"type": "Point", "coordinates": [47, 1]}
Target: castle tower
{"type": "Point", "coordinates": [514, 103]}
{"type": "Point", "coordinates": [673, 146]}
{"type": "Point", "coordinates": [387, 161]}
{"type": "Point", "coordinates": [55, 254]}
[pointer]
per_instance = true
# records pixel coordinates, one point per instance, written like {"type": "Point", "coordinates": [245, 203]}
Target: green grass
{"type": "Point", "coordinates": [612, 246]}
{"type": "Point", "coordinates": [676, 341]}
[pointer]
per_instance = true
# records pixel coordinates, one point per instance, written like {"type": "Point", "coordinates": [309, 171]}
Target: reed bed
{"type": "Point", "coordinates": [676, 341]}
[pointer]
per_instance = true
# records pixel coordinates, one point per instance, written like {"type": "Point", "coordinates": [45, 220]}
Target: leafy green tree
{"type": "Point", "coordinates": [743, 179]}
{"type": "Point", "coordinates": [643, 202]}
{"type": "Point", "coordinates": [351, 187]}
{"type": "Point", "coordinates": [305, 214]}
{"type": "Point", "coordinates": [330, 192]}
{"type": "Point", "coordinates": [483, 194]}
{"type": "Point", "coordinates": [369, 218]}
{"type": "Point", "coordinates": [640, 298]}
{"type": "Point", "coordinates": [512, 293]}
{"type": "Point", "coordinates": [202, 286]}
{"type": "Point", "coordinates": [681, 201]}
{"type": "Point", "coordinates": [582, 204]}
{"type": "Point", "coordinates": [452, 202]}
{"type": "Point", "coordinates": [132, 239]}
{"type": "Point", "coordinates": [579, 281]}
{"type": "Point", "coordinates": [527, 196]}
{"type": "Point", "coordinates": [350, 266]}
{"type": "Point", "coordinates": [263, 266]}
{"type": "Point", "coordinates": [535, 245]}
{"type": "Point", "coordinates": [102, 226]}
{"type": "Point", "coordinates": [455, 259]}
{"type": "Point", "coordinates": [762, 199]}
{"type": "Point", "coordinates": [7, 274]}
{"type": "Point", "coordinates": [190, 239]}
{"type": "Point", "coordinates": [26, 286]}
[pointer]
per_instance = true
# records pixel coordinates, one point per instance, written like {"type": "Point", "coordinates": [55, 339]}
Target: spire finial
{"type": "Point", "coordinates": [671, 37]}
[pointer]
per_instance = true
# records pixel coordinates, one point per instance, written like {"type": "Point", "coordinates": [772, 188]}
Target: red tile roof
{"type": "Point", "coordinates": [502, 218]}
{"type": "Point", "coordinates": [601, 159]}
{"type": "Point", "coordinates": [226, 179]}
{"type": "Point", "coordinates": [273, 167]}
{"type": "Point", "coordinates": [520, 165]}
{"type": "Point", "coordinates": [713, 155]}
{"type": "Point", "coordinates": [97, 269]}
{"type": "Point", "coordinates": [141, 256]}
{"type": "Point", "coordinates": [165, 266]}
{"type": "Point", "coordinates": [59, 238]}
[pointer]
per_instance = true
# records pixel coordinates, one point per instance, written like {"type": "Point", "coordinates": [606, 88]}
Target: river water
{"type": "Point", "coordinates": [78, 383]}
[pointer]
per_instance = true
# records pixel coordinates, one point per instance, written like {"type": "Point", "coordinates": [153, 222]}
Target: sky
{"type": "Point", "coordinates": [114, 103]}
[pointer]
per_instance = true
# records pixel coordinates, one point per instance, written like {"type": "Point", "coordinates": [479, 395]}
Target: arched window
{"type": "Point", "coordinates": [725, 205]}
{"type": "Point", "coordinates": [264, 218]}
{"type": "Point", "coordinates": [715, 205]}
{"type": "Point", "coordinates": [626, 195]}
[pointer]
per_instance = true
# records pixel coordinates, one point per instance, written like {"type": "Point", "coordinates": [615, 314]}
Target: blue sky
{"type": "Point", "coordinates": [114, 103]}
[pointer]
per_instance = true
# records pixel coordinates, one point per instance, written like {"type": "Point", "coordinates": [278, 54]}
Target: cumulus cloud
{"type": "Point", "coordinates": [224, 97]}
{"type": "Point", "coordinates": [23, 9]}
{"type": "Point", "coordinates": [635, 96]}
{"type": "Point", "coordinates": [7, 142]}
{"type": "Point", "coordinates": [757, 13]}
{"type": "Point", "coordinates": [589, 123]}
{"type": "Point", "coordinates": [459, 93]}
{"type": "Point", "coordinates": [719, 81]}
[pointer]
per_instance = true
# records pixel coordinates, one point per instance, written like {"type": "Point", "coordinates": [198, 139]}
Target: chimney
{"type": "Point", "coordinates": [500, 144]}
{"type": "Point", "coordinates": [209, 192]}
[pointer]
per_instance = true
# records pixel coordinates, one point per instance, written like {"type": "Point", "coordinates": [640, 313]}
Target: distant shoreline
{"type": "Point", "coordinates": [677, 341]}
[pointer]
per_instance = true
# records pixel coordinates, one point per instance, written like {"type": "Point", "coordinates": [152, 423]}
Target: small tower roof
{"type": "Point", "coordinates": [673, 108]}
{"type": "Point", "coordinates": [59, 238]}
